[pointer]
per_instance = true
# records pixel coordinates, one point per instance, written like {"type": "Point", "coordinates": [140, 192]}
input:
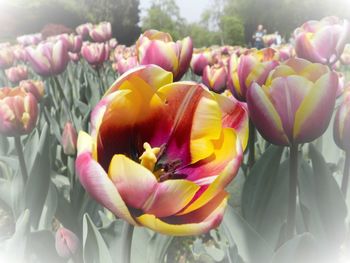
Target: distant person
{"type": "Point", "coordinates": [258, 37]}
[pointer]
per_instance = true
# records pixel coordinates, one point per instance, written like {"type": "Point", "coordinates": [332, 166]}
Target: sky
{"type": "Point", "coordinates": [189, 9]}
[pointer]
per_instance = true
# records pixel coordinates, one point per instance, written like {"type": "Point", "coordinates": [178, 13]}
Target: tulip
{"type": "Point", "coordinates": [32, 39]}
{"type": "Point", "coordinates": [36, 87]}
{"type": "Point", "coordinates": [253, 67]}
{"type": "Point", "coordinates": [215, 77]}
{"type": "Point", "coordinates": [6, 58]}
{"type": "Point", "coordinates": [341, 129]}
{"type": "Point", "coordinates": [84, 29]}
{"type": "Point", "coordinates": [296, 103]}
{"type": "Point", "coordinates": [48, 59]}
{"type": "Point", "coordinates": [101, 32]}
{"type": "Point", "coordinates": [19, 53]}
{"type": "Point", "coordinates": [95, 53]}
{"type": "Point", "coordinates": [16, 74]}
{"type": "Point", "coordinates": [155, 47]}
{"type": "Point", "coordinates": [345, 57]}
{"type": "Point", "coordinates": [67, 243]}
{"type": "Point", "coordinates": [199, 61]}
{"type": "Point", "coordinates": [72, 42]}
{"type": "Point", "coordinates": [124, 65]}
{"type": "Point", "coordinates": [322, 41]}
{"type": "Point", "coordinates": [75, 57]}
{"type": "Point", "coordinates": [18, 111]}
{"type": "Point", "coordinates": [178, 146]}
{"type": "Point", "coordinates": [341, 133]}
{"type": "Point", "coordinates": [69, 139]}
{"type": "Point", "coordinates": [112, 43]}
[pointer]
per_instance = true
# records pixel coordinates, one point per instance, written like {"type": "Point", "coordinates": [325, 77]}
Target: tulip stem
{"type": "Point", "coordinates": [127, 233]}
{"type": "Point", "coordinates": [22, 162]}
{"type": "Point", "coordinates": [293, 182]}
{"type": "Point", "coordinates": [345, 181]}
{"type": "Point", "coordinates": [251, 157]}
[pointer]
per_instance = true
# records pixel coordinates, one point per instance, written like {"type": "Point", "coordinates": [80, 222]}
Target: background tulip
{"type": "Point", "coordinates": [249, 68]}
{"type": "Point", "coordinates": [75, 57]}
{"type": "Point", "coordinates": [66, 243]}
{"type": "Point", "coordinates": [172, 177]}
{"type": "Point", "coordinates": [18, 111]}
{"type": "Point", "coordinates": [101, 32]}
{"type": "Point", "coordinates": [95, 53]}
{"type": "Point", "coordinates": [84, 29]}
{"type": "Point", "coordinates": [32, 39]}
{"type": "Point", "coordinates": [341, 130]}
{"type": "Point", "coordinates": [16, 74]}
{"type": "Point", "coordinates": [215, 77]}
{"type": "Point", "coordinates": [296, 103]}
{"type": "Point", "coordinates": [322, 41]}
{"type": "Point", "coordinates": [6, 58]}
{"type": "Point", "coordinates": [155, 47]}
{"type": "Point", "coordinates": [124, 65]}
{"type": "Point", "coordinates": [36, 87]}
{"type": "Point", "coordinates": [199, 61]}
{"type": "Point", "coordinates": [48, 58]}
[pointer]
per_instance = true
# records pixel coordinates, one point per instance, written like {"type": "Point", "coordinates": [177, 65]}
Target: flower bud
{"type": "Point", "coordinates": [69, 139]}
{"type": "Point", "coordinates": [67, 243]}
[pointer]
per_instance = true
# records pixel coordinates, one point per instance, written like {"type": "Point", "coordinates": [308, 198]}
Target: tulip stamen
{"type": "Point", "coordinates": [149, 156]}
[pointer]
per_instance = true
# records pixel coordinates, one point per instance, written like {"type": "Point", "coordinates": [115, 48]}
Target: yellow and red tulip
{"type": "Point", "coordinates": [322, 41]}
{"type": "Point", "coordinates": [48, 59]}
{"type": "Point", "coordinates": [6, 57]}
{"type": "Point", "coordinates": [155, 47]}
{"type": "Point", "coordinates": [18, 111]}
{"type": "Point", "coordinates": [101, 32]}
{"type": "Point", "coordinates": [341, 128]}
{"type": "Point", "coordinates": [296, 103]}
{"type": "Point", "coordinates": [36, 87]}
{"type": "Point", "coordinates": [95, 53]}
{"type": "Point", "coordinates": [215, 77]}
{"type": "Point", "coordinates": [246, 69]}
{"type": "Point", "coordinates": [16, 74]}
{"type": "Point", "coordinates": [160, 154]}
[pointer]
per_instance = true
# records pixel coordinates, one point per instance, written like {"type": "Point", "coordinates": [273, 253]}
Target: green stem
{"type": "Point", "coordinates": [22, 162]}
{"type": "Point", "coordinates": [128, 230]}
{"type": "Point", "coordinates": [251, 157]}
{"type": "Point", "coordinates": [293, 182]}
{"type": "Point", "coordinates": [345, 181]}
{"type": "Point", "coordinates": [100, 82]}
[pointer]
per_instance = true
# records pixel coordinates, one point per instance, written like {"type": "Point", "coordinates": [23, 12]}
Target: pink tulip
{"type": "Point", "coordinates": [69, 139]}
{"type": "Point", "coordinates": [16, 74]}
{"type": "Point", "coordinates": [75, 57]}
{"type": "Point", "coordinates": [6, 58]}
{"type": "Point", "coordinates": [95, 53]}
{"type": "Point", "coordinates": [101, 32]}
{"type": "Point", "coordinates": [215, 77]}
{"type": "Point", "coordinates": [296, 103]}
{"type": "Point", "coordinates": [155, 47]}
{"type": "Point", "coordinates": [124, 65]}
{"type": "Point", "coordinates": [84, 30]}
{"type": "Point", "coordinates": [48, 58]}
{"type": "Point", "coordinates": [32, 39]}
{"type": "Point", "coordinates": [36, 87]}
{"type": "Point", "coordinates": [199, 61]}
{"type": "Point", "coordinates": [322, 41]}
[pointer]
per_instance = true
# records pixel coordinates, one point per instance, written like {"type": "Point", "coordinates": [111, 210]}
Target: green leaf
{"type": "Point", "coordinates": [95, 249]}
{"type": "Point", "coordinates": [301, 249]}
{"type": "Point", "coordinates": [39, 178]}
{"type": "Point", "coordinates": [251, 246]}
{"type": "Point", "coordinates": [323, 205]}
{"type": "Point", "coordinates": [264, 197]}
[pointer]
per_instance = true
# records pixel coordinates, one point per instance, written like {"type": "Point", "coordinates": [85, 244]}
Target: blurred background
{"type": "Point", "coordinates": [207, 21]}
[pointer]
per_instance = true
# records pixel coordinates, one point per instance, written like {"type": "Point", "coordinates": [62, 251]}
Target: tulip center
{"type": "Point", "coordinates": [162, 168]}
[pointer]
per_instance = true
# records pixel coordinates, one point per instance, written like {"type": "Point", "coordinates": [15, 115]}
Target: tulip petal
{"type": "Point", "coordinates": [96, 182]}
{"type": "Point", "coordinates": [134, 182]}
{"type": "Point", "coordinates": [314, 113]}
{"type": "Point", "coordinates": [185, 57]}
{"type": "Point", "coordinates": [169, 197]}
{"type": "Point", "coordinates": [265, 116]}
{"type": "Point", "coordinates": [201, 222]}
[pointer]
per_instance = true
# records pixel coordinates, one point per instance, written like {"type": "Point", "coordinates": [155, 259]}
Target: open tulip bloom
{"type": "Point", "coordinates": [160, 154]}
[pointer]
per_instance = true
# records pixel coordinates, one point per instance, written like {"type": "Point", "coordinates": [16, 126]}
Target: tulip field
{"type": "Point", "coordinates": [163, 151]}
